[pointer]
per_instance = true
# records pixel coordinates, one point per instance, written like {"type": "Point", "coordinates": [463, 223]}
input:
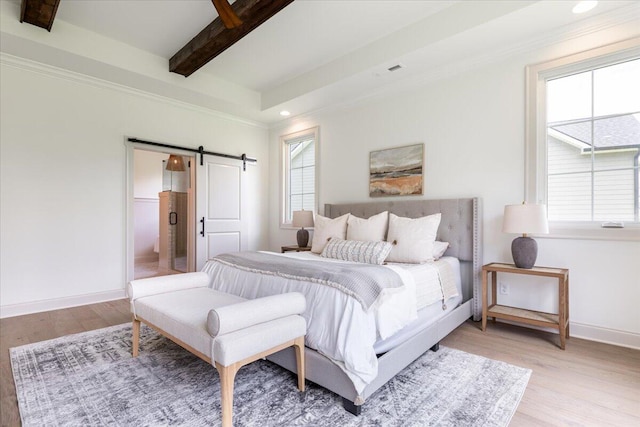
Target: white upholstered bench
{"type": "Point", "coordinates": [223, 329]}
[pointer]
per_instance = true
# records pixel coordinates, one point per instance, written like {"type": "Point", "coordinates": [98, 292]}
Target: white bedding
{"type": "Point", "coordinates": [429, 314]}
{"type": "Point", "coordinates": [426, 279]}
{"type": "Point", "coordinates": [337, 325]}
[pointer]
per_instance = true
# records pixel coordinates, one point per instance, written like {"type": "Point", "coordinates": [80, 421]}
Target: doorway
{"type": "Point", "coordinates": [163, 206]}
{"type": "Point", "coordinates": [219, 217]}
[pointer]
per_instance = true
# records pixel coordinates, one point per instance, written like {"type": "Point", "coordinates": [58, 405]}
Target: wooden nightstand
{"type": "Point", "coordinates": [560, 320]}
{"type": "Point", "coordinates": [294, 248]}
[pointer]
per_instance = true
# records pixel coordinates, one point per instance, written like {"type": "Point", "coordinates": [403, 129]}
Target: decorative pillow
{"type": "Point", "coordinates": [439, 248]}
{"type": "Point", "coordinates": [357, 251]}
{"type": "Point", "coordinates": [412, 239]}
{"type": "Point", "coordinates": [326, 228]}
{"type": "Point", "coordinates": [367, 230]}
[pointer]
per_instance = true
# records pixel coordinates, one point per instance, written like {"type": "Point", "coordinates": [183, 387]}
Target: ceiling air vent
{"type": "Point", "coordinates": [385, 71]}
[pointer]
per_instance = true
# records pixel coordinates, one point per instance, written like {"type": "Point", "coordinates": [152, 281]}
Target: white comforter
{"type": "Point", "coordinates": [337, 325]}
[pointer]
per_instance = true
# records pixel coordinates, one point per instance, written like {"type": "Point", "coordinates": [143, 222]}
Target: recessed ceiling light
{"type": "Point", "coordinates": [584, 6]}
{"type": "Point", "coordinates": [285, 113]}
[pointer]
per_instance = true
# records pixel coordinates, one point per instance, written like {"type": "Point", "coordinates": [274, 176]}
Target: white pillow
{"type": "Point", "coordinates": [357, 251]}
{"type": "Point", "coordinates": [412, 239]}
{"type": "Point", "coordinates": [325, 228]}
{"type": "Point", "coordinates": [367, 230]}
{"type": "Point", "coordinates": [439, 248]}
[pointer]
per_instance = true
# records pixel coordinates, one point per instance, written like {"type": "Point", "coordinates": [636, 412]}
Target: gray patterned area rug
{"type": "Point", "coordinates": [91, 379]}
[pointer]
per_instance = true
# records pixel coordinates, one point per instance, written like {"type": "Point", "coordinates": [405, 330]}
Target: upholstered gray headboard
{"type": "Point", "coordinates": [461, 226]}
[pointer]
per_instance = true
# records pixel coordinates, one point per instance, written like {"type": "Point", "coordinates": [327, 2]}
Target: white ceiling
{"type": "Point", "coordinates": [317, 53]}
{"type": "Point", "coordinates": [305, 34]}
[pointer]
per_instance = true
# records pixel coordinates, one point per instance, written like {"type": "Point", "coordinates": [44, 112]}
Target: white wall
{"type": "Point", "coordinates": [147, 173]}
{"type": "Point", "coordinates": [147, 183]}
{"type": "Point", "coordinates": [146, 229]}
{"type": "Point", "coordinates": [63, 192]}
{"type": "Point", "coordinates": [472, 125]}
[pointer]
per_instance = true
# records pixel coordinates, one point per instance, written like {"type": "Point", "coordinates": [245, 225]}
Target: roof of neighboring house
{"type": "Point", "coordinates": [611, 132]}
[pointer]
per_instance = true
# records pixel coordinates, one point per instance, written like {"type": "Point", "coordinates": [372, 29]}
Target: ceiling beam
{"type": "Point", "coordinates": [216, 38]}
{"type": "Point", "coordinates": [40, 13]}
{"type": "Point", "coordinates": [226, 13]}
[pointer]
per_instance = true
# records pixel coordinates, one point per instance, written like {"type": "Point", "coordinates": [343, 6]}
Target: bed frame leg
{"type": "Point", "coordinates": [351, 407]}
{"type": "Point", "coordinates": [435, 347]}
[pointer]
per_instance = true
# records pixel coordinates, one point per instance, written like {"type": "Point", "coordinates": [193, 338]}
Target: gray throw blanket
{"type": "Point", "coordinates": [364, 282]}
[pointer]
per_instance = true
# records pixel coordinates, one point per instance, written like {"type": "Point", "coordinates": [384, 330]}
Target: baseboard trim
{"type": "Point", "coordinates": [13, 310]}
{"type": "Point", "coordinates": [593, 333]}
{"type": "Point", "coordinates": [605, 335]}
{"type": "Point", "coordinates": [147, 258]}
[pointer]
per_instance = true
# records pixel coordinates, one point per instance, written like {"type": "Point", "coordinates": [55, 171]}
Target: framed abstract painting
{"type": "Point", "coordinates": [396, 171]}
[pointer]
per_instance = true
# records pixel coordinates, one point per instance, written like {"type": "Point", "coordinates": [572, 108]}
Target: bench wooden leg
{"type": "Point", "coordinates": [136, 337]}
{"type": "Point", "coordinates": [227, 376]}
{"type": "Point", "coordinates": [299, 347]}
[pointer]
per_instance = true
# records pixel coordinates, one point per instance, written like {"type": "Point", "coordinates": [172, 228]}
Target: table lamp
{"type": "Point", "coordinates": [302, 219]}
{"type": "Point", "coordinates": [525, 219]}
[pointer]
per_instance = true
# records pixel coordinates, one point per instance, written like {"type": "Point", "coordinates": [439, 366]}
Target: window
{"type": "Point", "coordinates": [583, 140]}
{"type": "Point", "coordinates": [593, 143]}
{"type": "Point", "coordinates": [299, 172]}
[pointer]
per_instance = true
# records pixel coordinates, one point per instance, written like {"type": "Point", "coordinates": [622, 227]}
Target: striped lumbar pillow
{"type": "Point", "coordinates": [357, 251]}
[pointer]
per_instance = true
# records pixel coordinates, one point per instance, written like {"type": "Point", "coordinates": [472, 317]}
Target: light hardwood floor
{"type": "Point", "coordinates": [588, 384]}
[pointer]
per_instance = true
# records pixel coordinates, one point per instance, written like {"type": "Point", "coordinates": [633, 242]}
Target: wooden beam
{"type": "Point", "coordinates": [216, 38]}
{"type": "Point", "coordinates": [226, 14]}
{"type": "Point", "coordinates": [40, 13]}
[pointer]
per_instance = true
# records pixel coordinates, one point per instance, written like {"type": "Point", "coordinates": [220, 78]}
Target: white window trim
{"type": "Point", "coordinates": [283, 169]}
{"type": "Point", "coordinates": [536, 137]}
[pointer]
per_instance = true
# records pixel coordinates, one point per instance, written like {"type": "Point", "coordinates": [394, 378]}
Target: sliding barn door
{"type": "Point", "coordinates": [221, 206]}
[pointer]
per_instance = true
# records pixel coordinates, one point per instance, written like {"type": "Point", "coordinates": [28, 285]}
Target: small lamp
{"type": "Point", "coordinates": [525, 219]}
{"type": "Point", "coordinates": [302, 219]}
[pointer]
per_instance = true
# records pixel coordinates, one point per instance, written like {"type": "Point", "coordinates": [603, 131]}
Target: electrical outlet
{"type": "Point", "coordinates": [504, 288]}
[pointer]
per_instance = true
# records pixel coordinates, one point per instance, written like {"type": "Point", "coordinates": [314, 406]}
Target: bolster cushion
{"type": "Point", "coordinates": [223, 320]}
{"type": "Point", "coordinates": [244, 343]}
{"type": "Point", "coordinates": [161, 285]}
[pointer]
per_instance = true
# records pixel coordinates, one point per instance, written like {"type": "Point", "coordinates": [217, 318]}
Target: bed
{"type": "Point", "coordinates": [376, 358]}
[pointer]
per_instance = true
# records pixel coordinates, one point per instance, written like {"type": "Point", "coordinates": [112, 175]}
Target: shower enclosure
{"type": "Point", "coordinates": [174, 209]}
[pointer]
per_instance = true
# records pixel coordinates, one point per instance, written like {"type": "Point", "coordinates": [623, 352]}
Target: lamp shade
{"type": "Point", "coordinates": [525, 219]}
{"type": "Point", "coordinates": [302, 219]}
{"type": "Point", "coordinates": [175, 163]}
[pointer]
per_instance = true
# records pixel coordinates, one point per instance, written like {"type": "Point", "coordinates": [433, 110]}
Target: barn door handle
{"type": "Point", "coordinates": [202, 231]}
{"type": "Point", "coordinates": [173, 218]}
